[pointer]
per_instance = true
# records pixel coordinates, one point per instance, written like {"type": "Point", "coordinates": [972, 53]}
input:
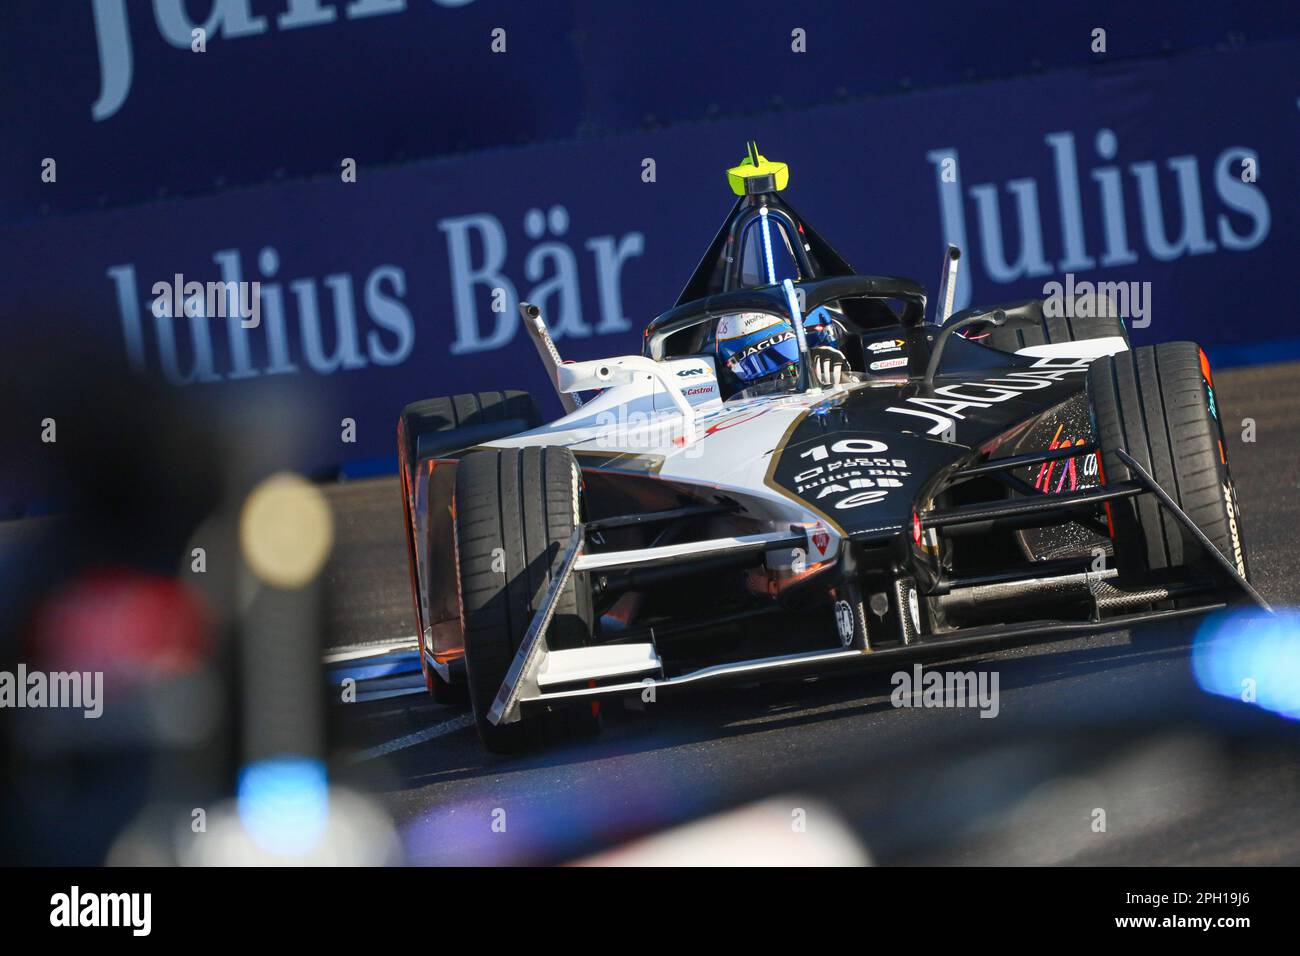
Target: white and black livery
{"type": "Point", "coordinates": [832, 482]}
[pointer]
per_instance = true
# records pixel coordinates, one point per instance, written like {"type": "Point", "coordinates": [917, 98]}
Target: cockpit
{"type": "Point", "coordinates": [862, 317]}
{"type": "Point", "coordinates": [763, 244]}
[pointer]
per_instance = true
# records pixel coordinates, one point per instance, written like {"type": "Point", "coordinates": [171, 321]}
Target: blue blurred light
{"type": "Point", "coordinates": [1240, 654]}
{"type": "Point", "coordinates": [284, 803]}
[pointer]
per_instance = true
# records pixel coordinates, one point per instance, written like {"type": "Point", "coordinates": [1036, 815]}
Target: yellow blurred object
{"type": "Point", "coordinates": [286, 531]}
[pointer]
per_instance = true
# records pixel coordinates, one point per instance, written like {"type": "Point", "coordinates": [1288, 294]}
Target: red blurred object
{"type": "Point", "coordinates": [131, 625]}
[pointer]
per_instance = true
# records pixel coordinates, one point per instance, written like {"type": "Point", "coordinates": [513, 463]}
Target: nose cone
{"type": "Point", "coordinates": [864, 482]}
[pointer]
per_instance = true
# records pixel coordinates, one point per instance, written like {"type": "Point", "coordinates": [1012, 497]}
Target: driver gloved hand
{"type": "Point", "coordinates": [828, 366]}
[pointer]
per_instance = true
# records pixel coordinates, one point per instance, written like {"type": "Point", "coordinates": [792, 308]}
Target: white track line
{"type": "Point", "coordinates": [411, 740]}
{"type": "Point", "coordinates": [368, 695]}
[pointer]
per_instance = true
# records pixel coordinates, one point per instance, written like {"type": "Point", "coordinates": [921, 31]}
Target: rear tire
{"type": "Point", "coordinates": [515, 511]}
{"type": "Point", "coordinates": [1157, 403]}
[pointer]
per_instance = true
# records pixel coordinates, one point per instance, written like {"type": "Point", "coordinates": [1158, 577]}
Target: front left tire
{"type": "Point", "coordinates": [429, 429]}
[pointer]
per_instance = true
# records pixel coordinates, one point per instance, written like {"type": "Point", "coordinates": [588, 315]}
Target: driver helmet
{"type": "Point", "coordinates": [756, 346]}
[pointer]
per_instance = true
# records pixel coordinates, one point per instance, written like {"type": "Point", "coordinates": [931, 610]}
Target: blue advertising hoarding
{"type": "Point", "coordinates": [402, 285]}
{"type": "Point", "coordinates": [140, 100]}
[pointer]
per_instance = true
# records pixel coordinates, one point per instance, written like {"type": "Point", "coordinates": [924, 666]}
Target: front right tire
{"type": "Point", "coordinates": [1158, 403]}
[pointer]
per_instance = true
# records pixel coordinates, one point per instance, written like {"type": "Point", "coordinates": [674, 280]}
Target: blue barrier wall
{"type": "Point", "coordinates": [114, 91]}
{"type": "Point", "coordinates": [379, 292]}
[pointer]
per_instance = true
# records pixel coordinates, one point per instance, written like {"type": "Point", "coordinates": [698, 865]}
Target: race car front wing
{"type": "Point", "coordinates": [539, 676]}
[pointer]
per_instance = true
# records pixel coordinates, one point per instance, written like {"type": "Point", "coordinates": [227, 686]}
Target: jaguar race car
{"type": "Point", "coordinates": [799, 474]}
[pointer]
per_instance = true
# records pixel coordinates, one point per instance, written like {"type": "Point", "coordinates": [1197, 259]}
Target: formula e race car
{"type": "Point", "coordinates": [801, 474]}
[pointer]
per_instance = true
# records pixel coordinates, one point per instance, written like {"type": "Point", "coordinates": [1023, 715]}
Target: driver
{"type": "Point", "coordinates": [755, 347]}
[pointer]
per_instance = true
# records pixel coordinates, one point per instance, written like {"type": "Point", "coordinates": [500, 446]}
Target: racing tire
{"type": "Point", "coordinates": [1158, 403]}
{"type": "Point", "coordinates": [1028, 325]}
{"type": "Point", "coordinates": [437, 426]}
{"type": "Point", "coordinates": [518, 506]}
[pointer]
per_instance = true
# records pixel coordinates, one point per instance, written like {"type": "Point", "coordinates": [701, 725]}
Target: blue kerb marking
{"type": "Point", "coordinates": [400, 664]}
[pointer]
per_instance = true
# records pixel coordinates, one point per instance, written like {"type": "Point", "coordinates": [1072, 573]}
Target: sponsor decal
{"type": "Point", "coordinates": [1069, 473]}
{"type": "Point", "coordinates": [761, 346]}
{"type": "Point", "coordinates": [947, 403]}
{"type": "Point", "coordinates": [844, 622]}
{"type": "Point", "coordinates": [844, 485]}
{"type": "Point", "coordinates": [888, 363]}
{"type": "Point", "coordinates": [1238, 556]}
{"type": "Point", "coordinates": [822, 546]}
{"type": "Point", "coordinates": [846, 469]}
{"type": "Point", "coordinates": [854, 477]}
{"type": "Point", "coordinates": [848, 473]}
{"type": "Point", "coordinates": [701, 393]}
{"type": "Point", "coordinates": [914, 607]}
{"type": "Point", "coordinates": [739, 324]}
{"type": "Point", "coordinates": [885, 345]}
{"type": "Point", "coordinates": [860, 499]}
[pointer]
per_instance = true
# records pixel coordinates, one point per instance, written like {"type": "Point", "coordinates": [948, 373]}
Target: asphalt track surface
{"type": "Point", "coordinates": [1101, 722]}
